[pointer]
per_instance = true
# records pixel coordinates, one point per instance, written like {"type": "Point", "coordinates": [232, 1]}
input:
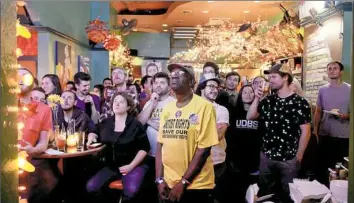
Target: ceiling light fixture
{"type": "Point", "coordinates": [205, 11]}
{"type": "Point", "coordinates": [178, 37]}
{"type": "Point", "coordinates": [246, 11]}
{"type": "Point", "coordinates": [210, 1]}
{"type": "Point", "coordinates": [186, 31]}
{"type": "Point", "coordinates": [256, 1]}
{"type": "Point", "coordinates": [164, 25]}
{"type": "Point", "coordinates": [165, 30]}
{"type": "Point", "coordinates": [184, 34]}
{"type": "Point", "coordinates": [184, 28]}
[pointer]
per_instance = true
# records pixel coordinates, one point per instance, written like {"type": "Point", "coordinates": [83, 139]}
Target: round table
{"type": "Point", "coordinates": [70, 179]}
{"type": "Point", "coordinates": [71, 154]}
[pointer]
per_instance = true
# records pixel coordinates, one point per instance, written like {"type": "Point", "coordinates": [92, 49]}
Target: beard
{"type": "Point", "coordinates": [25, 90]}
{"type": "Point", "coordinates": [211, 97]}
{"type": "Point", "coordinates": [161, 91]}
{"type": "Point", "coordinates": [68, 108]}
{"type": "Point", "coordinates": [85, 92]}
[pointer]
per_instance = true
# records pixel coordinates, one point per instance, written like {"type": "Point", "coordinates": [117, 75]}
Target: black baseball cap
{"type": "Point", "coordinates": [278, 68]}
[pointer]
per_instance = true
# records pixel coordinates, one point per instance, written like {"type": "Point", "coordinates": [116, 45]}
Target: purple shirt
{"type": "Point", "coordinates": [334, 98]}
{"type": "Point", "coordinates": [96, 100]}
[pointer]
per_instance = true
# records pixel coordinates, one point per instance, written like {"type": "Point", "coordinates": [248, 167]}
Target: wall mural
{"type": "Point", "coordinates": [63, 62]}
{"type": "Point", "coordinates": [152, 66]}
{"type": "Point", "coordinates": [83, 64]}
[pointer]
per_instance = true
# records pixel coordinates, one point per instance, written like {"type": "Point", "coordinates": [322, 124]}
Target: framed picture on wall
{"type": "Point", "coordinates": [83, 64]}
{"type": "Point", "coordinates": [63, 62]}
{"type": "Point", "coordinates": [152, 66]}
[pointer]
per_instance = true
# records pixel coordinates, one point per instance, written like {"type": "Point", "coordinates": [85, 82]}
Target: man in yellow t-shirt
{"type": "Point", "coordinates": [184, 168]}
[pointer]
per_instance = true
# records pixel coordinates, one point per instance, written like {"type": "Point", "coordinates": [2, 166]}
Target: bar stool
{"type": "Point", "coordinates": [117, 185]}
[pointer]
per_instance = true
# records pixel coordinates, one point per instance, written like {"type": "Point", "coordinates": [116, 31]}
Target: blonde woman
{"type": "Point", "coordinates": [295, 86]}
{"type": "Point", "coordinates": [307, 166]}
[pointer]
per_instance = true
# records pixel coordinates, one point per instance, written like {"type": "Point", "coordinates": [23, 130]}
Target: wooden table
{"type": "Point", "coordinates": [68, 154]}
{"type": "Point", "coordinates": [71, 154]}
{"type": "Point", "coordinates": [72, 188]}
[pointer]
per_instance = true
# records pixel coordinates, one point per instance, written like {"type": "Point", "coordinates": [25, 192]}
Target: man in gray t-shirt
{"type": "Point", "coordinates": [331, 120]}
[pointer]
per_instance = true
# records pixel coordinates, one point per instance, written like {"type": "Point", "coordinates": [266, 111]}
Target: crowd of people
{"type": "Point", "coordinates": [186, 141]}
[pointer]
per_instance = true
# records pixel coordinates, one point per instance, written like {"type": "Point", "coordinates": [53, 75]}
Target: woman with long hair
{"type": "Point", "coordinates": [126, 148]}
{"type": "Point", "coordinates": [243, 148]}
{"type": "Point", "coordinates": [51, 84]}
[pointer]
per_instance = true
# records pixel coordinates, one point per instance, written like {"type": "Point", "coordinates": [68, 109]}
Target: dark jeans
{"type": "Point", "coordinates": [308, 163]}
{"type": "Point", "coordinates": [41, 182]}
{"type": "Point", "coordinates": [331, 150]}
{"type": "Point", "coordinates": [273, 172]}
{"type": "Point", "coordinates": [150, 189]}
{"type": "Point", "coordinates": [233, 185]}
{"type": "Point", "coordinates": [131, 182]}
{"type": "Point", "coordinates": [219, 170]}
{"type": "Point", "coordinates": [195, 196]}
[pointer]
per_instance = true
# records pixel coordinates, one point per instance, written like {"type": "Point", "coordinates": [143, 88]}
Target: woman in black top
{"type": "Point", "coordinates": [127, 147]}
{"type": "Point", "coordinates": [243, 148]}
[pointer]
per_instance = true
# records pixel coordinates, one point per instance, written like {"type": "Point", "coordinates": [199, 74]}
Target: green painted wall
{"type": "Point", "coordinates": [150, 44]}
{"type": "Point", "coordinates": [68, 17]}
{"type": "Point", "coordinates": [347, 44]}
{"type": "Point", "coordinates": [46, 50]}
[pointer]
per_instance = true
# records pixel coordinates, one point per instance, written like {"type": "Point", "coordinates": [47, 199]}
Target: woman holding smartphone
{"type": "Point", "coordinates": [126, 148]}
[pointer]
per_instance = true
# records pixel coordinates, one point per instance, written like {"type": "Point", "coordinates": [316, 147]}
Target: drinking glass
{"type": "Point", "coordinates": [266, 88]}
{"type": "Point", "coordinates": [80, 138]}
{"type": "Point", "coordinates": [61, 142]}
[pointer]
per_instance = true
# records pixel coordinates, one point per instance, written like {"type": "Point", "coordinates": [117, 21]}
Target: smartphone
{"type": "Point", "coordinates": [95, 145]}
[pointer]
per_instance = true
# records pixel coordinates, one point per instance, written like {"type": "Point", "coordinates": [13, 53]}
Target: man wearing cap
{"type": "Point", "coordinates": [209, 91]}
{"type": "Point", "coordinates": [184, 168]}
{"type": "Point", "coordinates": [210, 69]}
{"type": "Point", "coordinates": [287, 118]}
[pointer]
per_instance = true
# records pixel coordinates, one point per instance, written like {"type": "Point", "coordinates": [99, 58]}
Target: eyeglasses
{"type": "Point", "coordinates": [212, 87]}
{"type": "Point", "coordinates": [177, 74]}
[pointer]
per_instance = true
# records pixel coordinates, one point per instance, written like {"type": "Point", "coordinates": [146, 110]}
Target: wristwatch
{"type": "Point", "coordinates": [159, 180]}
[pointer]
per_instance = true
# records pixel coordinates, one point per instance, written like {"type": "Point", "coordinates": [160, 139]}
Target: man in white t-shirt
{"type": "Point", "coordinates": [150, 115]}
{"type": "Point", "coordinates": [209, 90]}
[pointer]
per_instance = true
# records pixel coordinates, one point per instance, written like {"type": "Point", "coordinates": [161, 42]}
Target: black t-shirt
{"type": "Point", "coordinates": [243, 141]}
{"type": "Point", "coordinates": [122, 147]}
{"type": "Point", "coordinates": [282, 118]}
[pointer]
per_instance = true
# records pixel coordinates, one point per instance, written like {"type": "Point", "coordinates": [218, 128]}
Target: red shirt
{"type": "Point", "coordinates": [38, 118]}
